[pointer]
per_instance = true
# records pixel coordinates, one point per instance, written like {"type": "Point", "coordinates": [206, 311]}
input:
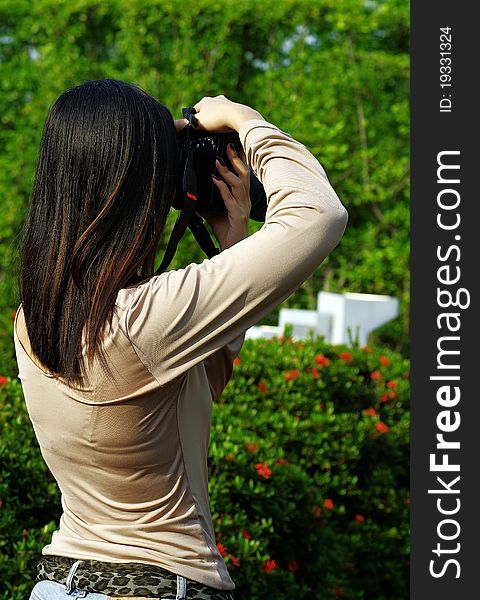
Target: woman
{"type": "Point", "coordinates": [119, 368]}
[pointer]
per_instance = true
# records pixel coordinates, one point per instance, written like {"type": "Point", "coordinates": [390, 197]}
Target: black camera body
{"type": "Point", "coordinates": [195, 190]}
{"type": "Point", "coordinates": [205, 148]}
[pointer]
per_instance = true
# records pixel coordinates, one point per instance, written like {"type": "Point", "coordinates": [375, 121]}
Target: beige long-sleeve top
{"type": "Point", "coordinates": [130, 458]}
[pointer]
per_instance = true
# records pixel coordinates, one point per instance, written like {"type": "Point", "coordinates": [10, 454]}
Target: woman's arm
{"type": "Point", "coordinates": [182, 317]}
{"type": "Point", "coordinates": [219, 365]}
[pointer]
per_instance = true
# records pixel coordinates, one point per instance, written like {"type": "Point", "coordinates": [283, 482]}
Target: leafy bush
{"type": "Point", "coordinates": [309, 475]}
{"type": "Point", "coordinates": [335, 75]}
{"type": "Point", "coordinates": [29, 496]}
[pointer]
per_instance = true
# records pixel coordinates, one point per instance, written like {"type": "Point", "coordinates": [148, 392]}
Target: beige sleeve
{"type": "Point", "coordinates": [219, 365]}
{"type": "Point", "coordinates": [183, 316]}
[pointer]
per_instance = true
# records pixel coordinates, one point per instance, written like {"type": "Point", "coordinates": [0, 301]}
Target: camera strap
{"type": "Point", "coordinates": [188, 217]}
{"type": "Point", "coordinates": [200, 233]}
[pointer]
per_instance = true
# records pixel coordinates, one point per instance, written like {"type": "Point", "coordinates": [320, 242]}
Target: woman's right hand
{"type": "Point", "coordinates": [219, 114]}
{"type": "Point", "coordinates": [231, 226]}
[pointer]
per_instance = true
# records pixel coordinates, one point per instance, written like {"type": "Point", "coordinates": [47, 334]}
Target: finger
{"type": "Point", "coordinates": [227, 196]}
{"type": "Point", "coordinates": [180, 124]}
{"type": "Point", "coordinates": [233, 180]}
{"type": "Point", "coordinates": [236, 210]}
{"type": "Point", "coordinates": [237, 201]}
{"type": "Point", "coordinates": [241, 167]}
{"type": "Point", "coordinates": [241, 154]}
{"type": "Point", "coordinates": [198, 105]}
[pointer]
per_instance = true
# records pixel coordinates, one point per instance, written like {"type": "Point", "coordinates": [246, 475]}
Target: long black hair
{"type": "Point", "coordinates": [104, 182]}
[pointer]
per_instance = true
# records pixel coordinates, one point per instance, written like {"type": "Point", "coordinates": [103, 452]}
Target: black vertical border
{"type": "Point", "coordinates": [431, 133]}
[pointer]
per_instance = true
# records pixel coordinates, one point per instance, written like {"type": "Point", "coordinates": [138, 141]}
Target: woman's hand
{"type": "Point", "coordinates": [220, 114]}
{"type": "Point", "coordinates": [231, 226]}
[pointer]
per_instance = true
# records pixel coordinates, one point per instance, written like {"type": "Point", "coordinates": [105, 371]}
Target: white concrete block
{"type": "Point", "coordinates": [263, 331]}
{"type": "Point", "coordinates": [360, 312]}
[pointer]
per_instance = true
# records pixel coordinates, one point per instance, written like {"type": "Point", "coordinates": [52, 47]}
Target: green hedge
{"type": "Point", "coordinates": [332, 73]}
{"type": "Point", "coordinates": [309, 475]}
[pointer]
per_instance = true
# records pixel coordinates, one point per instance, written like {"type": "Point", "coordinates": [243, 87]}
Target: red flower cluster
{"type": "Point", "coordinates": [318, 512]}
{"type": "Point", "coordinates": [262, 387]}
{"type": "Point", "coordinates": [224, 552]}
{"type": "Point", "coordinates": [322, 360]}
{"type": "Point", "coordinates": [246, 535]}
{"type": "Point", "coordinates": [292, 566]}
{"type": "Point", "coordinates": [391, 394]}
{"type": "Point", "coordinates": [281, 461]}
{"type": "Point", "coordinates": [328, 503]}
{"type": "Point", "coordinates": [263, 470]}
{"type": "Point", "coordinates": [235, 561]}
{"type": "Point", "coordinates": [359, 518]}
{"type": "Point", "coordinates": [252, 447]}
{"type": "Point", "coordinates": [315, 373]}
{"type": "Point", "coordinates": [230, 456]}
{"type": "Point", "coordinates": [381, 427]}
{"type": "Point", "coordinates": [367, 349]}
{"type": "Point", "coordinates": [370, 412]}
{"type": "Point", "coordinates": [293, 374]}
{"type": "Point", "coordinates": [269, 565]}
{"type": "Point", "coordinates": [346, 356]}
{"type": "Point", "coordinates": [384, 360]}
{"type": "Point", "coordinates": [391, 384]}
{"type": "Point", "coordinates": [3, 380]}
{"type": "Point", "coordinates": [236, 361]}
{"type": "Point", "coordinates": [375, 375]}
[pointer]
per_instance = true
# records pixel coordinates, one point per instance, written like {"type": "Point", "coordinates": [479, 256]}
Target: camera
{"type": "Point", "coordinates": [195, 190]}
{"type": "Point", "coordinates": [203, 148]}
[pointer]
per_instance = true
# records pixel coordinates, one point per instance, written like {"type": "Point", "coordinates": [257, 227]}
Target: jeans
{"type": "Point", "coordinates": [51, 590]}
